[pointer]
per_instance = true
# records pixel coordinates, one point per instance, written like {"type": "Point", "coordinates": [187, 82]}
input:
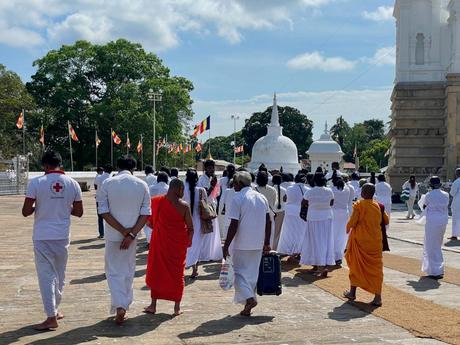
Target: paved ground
{"type": "Point", "coordinates": [303, 314]}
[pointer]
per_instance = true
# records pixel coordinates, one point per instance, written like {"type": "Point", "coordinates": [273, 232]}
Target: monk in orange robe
{"type": "Point", "coordinates": [364, 249]}
{"type": "Point", "coordinates": [172, 220]}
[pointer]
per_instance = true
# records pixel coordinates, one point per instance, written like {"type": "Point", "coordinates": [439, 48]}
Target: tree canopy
{"type": "Point", "coordinates": [100, 87]}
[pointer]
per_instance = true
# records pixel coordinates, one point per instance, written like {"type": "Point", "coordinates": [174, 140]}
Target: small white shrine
{"type": "Point", "coordinates": [275, 150]}
{"type": "Point", "coordinates": [324, 151]}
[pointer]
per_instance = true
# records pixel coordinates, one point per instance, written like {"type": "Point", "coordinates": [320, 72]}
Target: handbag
{"type": "Point", "coordinates": [303, 209]}
{"type": "Point", "coordinates": [385, 246]}
{"type": "Point", "coordinates": [405, 194]}
{"type": "Point", "coordinates": [207, 214]}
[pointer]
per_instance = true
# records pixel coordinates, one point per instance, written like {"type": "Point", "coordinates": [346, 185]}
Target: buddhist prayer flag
{"type": "Point", "coordinates": [205, 125]}
{"type": "Point", "coordinates": [97, 140]}
{"type": "Point", "coordinates": [139, 146]}
{"type": "Point", "coordinates": [20, 122]}
{"type": "Point", "coordinates": [128, 142]}
{"type": "Point", "coordinates": [42, 136]}
{"type": "Point", "coordinates": [196, 131]}
{"type": "Point", "coordinates": [239, 149]}
{"type": "Point", "coordinates": [355, 152]}
{"type": "Point", "coordinates": [198, 147]}
{"type": "Point", "coordinates": [72, 132]}
{"type": "Point", "coordinates": [116, 139]}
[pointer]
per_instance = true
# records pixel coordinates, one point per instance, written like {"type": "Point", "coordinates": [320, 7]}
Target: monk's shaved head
{"type": "Point", "coordinates": [176, 184]}
{"type": "Point", "coordinates": [368, 191]}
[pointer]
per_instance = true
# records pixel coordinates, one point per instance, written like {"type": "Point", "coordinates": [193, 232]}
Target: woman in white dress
{"type": "Point", "coordinates": [229, 194]}
{"type": "Point", "coordinates": [224, 183]}
{"type": "Point", "coordinates": [343, 198]}
{"type": "Point", "coordinates": [318, 243]}
{"type": "Point", "coordinates": [383, 193]}
{"type": "Point", "coordinates": [192, 195]}
{"type": "Point", "coordinates": [278, 209]}
{"type": "Point", "coordinates": [412, 186]}
{"type": "Point", "coordinates": [294, 227]}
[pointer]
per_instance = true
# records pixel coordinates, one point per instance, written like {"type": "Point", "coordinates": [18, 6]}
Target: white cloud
{"type": "Point", "coordinates": [157, 25]}
{"type": "Point", "coordinates": [384, 56]}
{"type": "Point", "coordinates": [354, 105]}
{"type": "Point", "coordinates": [381, 14]}
{"type": "Point", "coordinates": [316, 60]}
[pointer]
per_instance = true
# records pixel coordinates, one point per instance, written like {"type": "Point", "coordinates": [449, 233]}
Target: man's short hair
{"type": "Point", "coordinates": [52, 158]}
{"type": "Point", "coordinates": [99, 169]}
{"type": "Point", "coordinates": [108, 168]}
{"type": "Point", "coordinates": [126, 162]}
{"type": "Point", "coordinates": [162, 177]}
{"type": "Point", "coordinates": [209, 163]}
{"type": "Point", "coordinates": [148, 169]}
{"type": "Point", "coordinates": [165, 170]}
{"type": "Point", "coordinates": [335, 165]}
{"type": "Point", "coordinates": [174, 172]}
{"type": "Point", "coordinates": [243, 177]}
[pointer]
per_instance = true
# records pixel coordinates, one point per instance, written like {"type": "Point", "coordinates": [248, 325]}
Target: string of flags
{"type": "Point", "coordinates": [239, 149]}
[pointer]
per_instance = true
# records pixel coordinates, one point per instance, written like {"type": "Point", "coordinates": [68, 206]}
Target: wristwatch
{"type": "Point", "coordinates": [133, 236]}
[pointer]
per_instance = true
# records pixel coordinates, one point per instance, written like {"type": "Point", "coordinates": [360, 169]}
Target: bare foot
{"type": "Point", "coordinates": [177, 311]}
{"type": "Point", "coordinates": [151, 309]}
{"type": "Point", "coordinates": [49, 324]}
{"type": "Point", "coordinates": [248, 307]}
{"type": "Point", "coordinates": [59, 316]}
{"type": "Point", "coordinates": [348, 295]}
{"type": "Point", "coordinates": [120, 317]}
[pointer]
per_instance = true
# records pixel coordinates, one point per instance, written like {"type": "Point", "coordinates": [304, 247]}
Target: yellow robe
{"type": "Point", "coordinates": [364, 247]}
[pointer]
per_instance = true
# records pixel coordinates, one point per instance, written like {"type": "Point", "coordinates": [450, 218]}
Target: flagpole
{"type": "Point", "coordinates": [127, 141]}
{"type": "Point", "coordinates": [95, 142]}
{"type": "Point", "coordinates": [111, 147]}
{"type": "Point", "coordinates": [142, 152]}
{"type": "Point", "coordinates": [23, 132]}
{"type": "Point", "coordinates": [70, 146]}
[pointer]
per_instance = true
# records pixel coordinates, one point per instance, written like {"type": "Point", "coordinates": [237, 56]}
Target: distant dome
{"type": "Point", "coordinates": [275, 150]}
{"type": "Point", "coordinates": [325, 144]}
{"type": "Point", "coordinates": [324, 151]}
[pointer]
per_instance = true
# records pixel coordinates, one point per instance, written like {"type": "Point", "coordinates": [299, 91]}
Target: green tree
{"type": "Point", "coordinates": [376, 151]}
{"type": "Point", "coordinates": [295, 125]}
{"type": "Point", "coordinates": [340, 130]}
{"type": "Point", "coordinates": [13, 98]}
{"type": "Point", "coordinates": [375, 129]}
{"type": "Point", "coordinates": [103, 87]}
{"type": "Point", "coordinates": [222, 147]}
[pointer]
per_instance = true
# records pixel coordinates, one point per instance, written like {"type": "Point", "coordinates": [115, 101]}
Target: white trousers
{"type": "Point", "coordinates": [246, 267]}
{"type": "Point", "coordinates": [120, 267]}
{"type": "Point", "coordinates": [433, 261]}
{"type": "Point", "coordinates": [50, 263]}
{"type": "Point", "coordinates": [410, 207]}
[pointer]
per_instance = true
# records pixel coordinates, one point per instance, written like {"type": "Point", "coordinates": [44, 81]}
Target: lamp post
{"type": "Point", "coordinates": [234, 118]}
{"type": "Point", "coordinates": [154, 97]}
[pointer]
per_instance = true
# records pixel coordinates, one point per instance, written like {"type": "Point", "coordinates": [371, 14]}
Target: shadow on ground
{"type": "Point", "coordinates": [347, 312]}
{"type": "Point", "coordinates": [225, 325]}
{"type": "Point", "coordinates": [452, 243]}
{"type": "Point", "coordinates": [104, 329]}
{"type": "Point", "coordinates": [424, 284]}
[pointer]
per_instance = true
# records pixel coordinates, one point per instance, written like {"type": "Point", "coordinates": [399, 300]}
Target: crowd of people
{"type": "Point", "coordinates": [312, 218]}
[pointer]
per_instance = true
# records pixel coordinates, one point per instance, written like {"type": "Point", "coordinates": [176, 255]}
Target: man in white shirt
{"type": "Point", "coordinates": [248, 236]}
{"type": "Point", "coordinates": [150, 178]}
{"type": "Point", "coordinates": [383, 193]}
{"type": "Point", "coordinates": [125, 206]}
{"type": "Point", "coordinates": [53, 197]}
{"type": "Point", "coordinates": [436, 204]}
{"type": "Point", "coordinates": [271, 195]}
{"type": "Point", "coordinates": [335, 166]}
{"type": "Point", "coordinates": [98, 181]}
{"type": "Point", "coordinates": [455, 207]}
{"type": "Point", "coordinates": [160, 188]}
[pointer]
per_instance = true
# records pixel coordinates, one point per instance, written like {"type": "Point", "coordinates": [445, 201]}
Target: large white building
{"type": "Point", "coordinates": [425, 119]}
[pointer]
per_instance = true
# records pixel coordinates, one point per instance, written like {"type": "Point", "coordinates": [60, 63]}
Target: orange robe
{"type": "Point", "coordinates": [167, 252]}
{"type": "Point", "coordinates": [364, 248]}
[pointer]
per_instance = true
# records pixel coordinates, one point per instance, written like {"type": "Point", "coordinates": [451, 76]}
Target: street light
{"type": "Point", "coordinates": [154, 97]}
{"type": "Point", "coordinates": [234, 118]}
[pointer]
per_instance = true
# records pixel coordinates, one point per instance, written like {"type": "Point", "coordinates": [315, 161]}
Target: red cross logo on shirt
{"type": "Point", "coordinates": [57, 187]}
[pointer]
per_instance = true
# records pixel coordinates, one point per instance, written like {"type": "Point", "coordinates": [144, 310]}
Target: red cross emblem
{"type": "Point", "coordinates": [57, 187]}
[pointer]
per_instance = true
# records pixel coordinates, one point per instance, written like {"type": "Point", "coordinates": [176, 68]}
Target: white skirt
{"type": "Point", "coordinates": [292, 235]}
{"type": "Point", "coordinates": [339, 226]}
{"type": "Point", "coordinates": [211, 249]}
{"type": "Point", "coordinates": [433, 261]}
{"type": "Point", "coordinates": [318, 244]}
{"type": "Point", "coordinates": [193, 252]}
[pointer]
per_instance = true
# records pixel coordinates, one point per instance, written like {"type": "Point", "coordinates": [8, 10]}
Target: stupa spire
{"type": "Point", "coordinates": [275, 121]}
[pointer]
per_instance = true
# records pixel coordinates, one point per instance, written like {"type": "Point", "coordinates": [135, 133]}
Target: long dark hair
{"type": "Point", "coordinates": [277, 182]}
{"type": "Point", "coordinates": [372, 179]}
{"type": "Point", "coordinates": [412, 181]}
{"type": "Point", "coordinates": [191, 177]}
{"type": "Point", "coordinates": [230, 172]}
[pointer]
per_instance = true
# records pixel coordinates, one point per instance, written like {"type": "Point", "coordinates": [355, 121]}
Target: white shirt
{"type": "Point", "coordinates": [99, 180]}
{"type": "Point", "coordinates": [295, 195]}
{"type": "Point", "coordinates": [150, 179]}
{"type": "Point", "coordinates": [413, 191]}
{"type": "Point", "coordinates": [228, 199]}
{"type": "Point", "coordinates": [319, 203]}
{"type": "Point", "coordinates": [159, 188]}
{"type": "Point", "coordinates": [342, 198]}
{"type": "Point", "coordinates": [383, 192]}
{"type": "Point", "coordinates": [250, 209]}
{"type": "Point", "coordinates": [270, 194]}
{"type": "Point", "coordinates": [286, 185]}
{"type": "Point", "coordinates": [356, 187]}
{"type": "Point", "coordinates": [205, 182]}
{"type": "Point", "coordinates": [329, 176]}
{"type": "Point", "coordinates": [455, 192]}
{"type": "Point", "coordinates": [437, 203]}
{"type": "Point", "coordinates": [125, 197]}
{"type": "Point", "coordinates": [54, 194]}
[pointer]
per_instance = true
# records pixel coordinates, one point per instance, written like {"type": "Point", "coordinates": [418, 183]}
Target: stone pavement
{"type": "Point", "coordinates": [303, 314]}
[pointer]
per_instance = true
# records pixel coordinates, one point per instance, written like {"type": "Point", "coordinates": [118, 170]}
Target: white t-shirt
{"type": "Point", "coordinates": [99, 180]}
{"type": "Point", "coordinates": [413, 191]}
{"type": "Point", "coordinates": [295, 195]}
{"type": "Point", "coordinates": [270, 194]}
{"type": "Point", "coordinates": [342, 198]}
{"type": "Point", "coordinates": [159, 188]}
{"type": "Point", "coordinates": [125, 197]}
{"type": "Point", "coordinates": [437, 203]}
{"type": "Point", "coordinates": [319, 203]}
{"type": "Point", "coordinates": [355, 185]}
{"type": "Point", "coordinates": [150, 179]}
{"type": "Point", "coordinates": [250, 209]}
{"type": "Point", "coordinates": [383, 192]}
{"type": "Point", "coordinates": [54, 194]}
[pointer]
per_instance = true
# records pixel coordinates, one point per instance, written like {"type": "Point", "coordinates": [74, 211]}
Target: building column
{"type": "Point", "coordinates": [452, 124]}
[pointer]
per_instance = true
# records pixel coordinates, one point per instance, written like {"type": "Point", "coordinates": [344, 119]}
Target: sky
{"type": "Point", "coordinates": [325, 57]}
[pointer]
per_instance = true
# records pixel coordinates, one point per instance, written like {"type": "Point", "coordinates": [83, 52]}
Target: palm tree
{"type": "Point", "coordinates": [340, 130]}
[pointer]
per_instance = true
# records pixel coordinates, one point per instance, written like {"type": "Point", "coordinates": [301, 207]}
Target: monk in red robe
{"type": "Point", "coordinates": [172, 220]}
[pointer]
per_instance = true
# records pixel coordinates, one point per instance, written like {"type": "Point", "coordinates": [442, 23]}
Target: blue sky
{"type": "Point", "coordinates": [325, 57]}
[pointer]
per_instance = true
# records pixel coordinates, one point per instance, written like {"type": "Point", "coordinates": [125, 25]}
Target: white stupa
{"type": "Point", "coordinates": [324, 151]}
{"type": "Point", "coordinates": [275, 150]}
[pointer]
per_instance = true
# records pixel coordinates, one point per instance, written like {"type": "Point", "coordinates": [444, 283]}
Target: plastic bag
{"type": "Point", "coordinates": [421, 219]}
{"type": "Point", "coordinates": [227, 276]}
